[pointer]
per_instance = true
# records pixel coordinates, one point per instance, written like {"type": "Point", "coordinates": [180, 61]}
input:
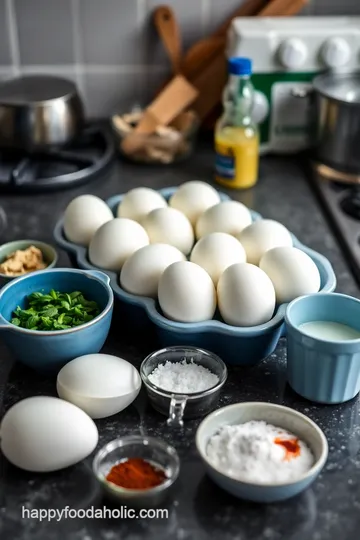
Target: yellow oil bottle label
{"type": "Point", "coordinates": [237, 157]}
{"type": "Point", "coordinates": [225, 161]}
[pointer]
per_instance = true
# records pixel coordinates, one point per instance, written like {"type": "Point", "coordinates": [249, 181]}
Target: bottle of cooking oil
{"type": "Point", "coordinates": [236, 135]}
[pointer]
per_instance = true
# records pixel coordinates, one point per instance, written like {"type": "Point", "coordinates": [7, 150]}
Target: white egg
{"type": "Point", "coordinates": [100, 384]}
{"type": "Point", "coordinates": [193, 198]}
{"type": "Point", "coordinates": [246, 295]}
{"type": "Point", "coordinates": [115, 241]}
{"type": "Point", "coordinates": [44, 434]}
{"type": "Point", "coordinates": [141, 272]}
{"type": "Point", "coordinates": [83, 216]}
{"type": "Point", "coordinates": [138, 202]}
{"type": "Point", "coordinates": [292, 272]}
{"type": "Point", "coordinates": [261, 236]}
{"type": "Point", "coordinates": [187, 293]}
{"type": "Point", "coordinates": [215, 252]}
{"type": "Point", "coordinates": [169, 226]}
{"type": "Point", "coordinates": [229, 217]}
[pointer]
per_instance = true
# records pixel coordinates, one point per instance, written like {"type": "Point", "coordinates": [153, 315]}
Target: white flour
{"type": "Point", "coordinates": [183, 377]}
{"type": "Point", "coordinates": [248, 452]}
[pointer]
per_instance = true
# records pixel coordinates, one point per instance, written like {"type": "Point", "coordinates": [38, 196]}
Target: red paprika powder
{"type": "Point", "coordinates": [291, 446]}
{"type": "Point", "coordinates": [136, 473]}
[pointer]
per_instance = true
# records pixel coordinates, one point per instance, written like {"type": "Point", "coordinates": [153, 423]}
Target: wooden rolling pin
{"type": "Point", "coordinates": [283, 8]}
{"type": "Point", "coordinates": [249, 9]}
{"type": "Point", "coordinates": [204, 50]}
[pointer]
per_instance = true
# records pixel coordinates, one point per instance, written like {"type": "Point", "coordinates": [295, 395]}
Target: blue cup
{"type": "Point", "coordinates": [321, 370]}
{"type": "Point", "coordinates": [48, 352]}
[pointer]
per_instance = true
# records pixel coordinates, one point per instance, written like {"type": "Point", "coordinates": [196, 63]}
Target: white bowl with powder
{"type": "Point", "coordinates": [261, 452]}
{"type": "Point", "coordinates": [183, 382]}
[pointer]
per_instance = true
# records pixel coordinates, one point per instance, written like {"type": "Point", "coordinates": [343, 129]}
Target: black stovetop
{"type": "Point", "coordinates": [57, 168]}
{"type": "Point", "coordinates": [341, 202]}
{"type": "Point", "coordinates": [329, 510]}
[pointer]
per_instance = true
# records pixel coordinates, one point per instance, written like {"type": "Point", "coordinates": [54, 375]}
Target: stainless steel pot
{"type": "Point", "coordinates": [337, 113]}
{"type": "Point", "coordinates": [39, 111]}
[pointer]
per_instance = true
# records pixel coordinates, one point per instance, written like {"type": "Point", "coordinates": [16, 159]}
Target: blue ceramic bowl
{"type": "Point", "coordinates": [48, 352]}
{"type": "Point", "coordinates": [280, 416]}
{"type": "Point", "coordinates": [320, 370]}
{"type": "Point", "coordinates": [239, 346]}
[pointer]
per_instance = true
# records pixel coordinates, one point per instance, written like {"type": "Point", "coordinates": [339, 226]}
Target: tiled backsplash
{"type": "Point", "coordinates": [109, 47]}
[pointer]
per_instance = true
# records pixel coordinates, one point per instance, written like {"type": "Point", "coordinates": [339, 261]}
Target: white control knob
{"type": "Point", "coordinates": [293, 53]}
{"type": "Point", "coordinates": [261, 107]}
{"type": "Point", "coordinates": [336, 52]}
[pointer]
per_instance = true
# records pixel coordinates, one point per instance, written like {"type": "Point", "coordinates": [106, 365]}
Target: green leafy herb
{"type": "Point", "coordinates": [55, 311]}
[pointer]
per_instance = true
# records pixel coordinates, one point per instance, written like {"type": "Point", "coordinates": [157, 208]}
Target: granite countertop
{"type": "Point", "coordinates": [198, 509]}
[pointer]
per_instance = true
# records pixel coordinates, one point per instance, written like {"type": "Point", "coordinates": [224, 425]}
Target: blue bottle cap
{"type": "Point", "coordinates": [239, 66]}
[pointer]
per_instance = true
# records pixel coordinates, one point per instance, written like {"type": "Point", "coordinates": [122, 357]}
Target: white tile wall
{"type": "Point", "coordinates": [109, 46]}
{"type": "Point", "coordinates": [5, 56]}
{"type": "Point", "coordinates": [109, 32]}
{"type": "Point", "coordinates": [44, 32]}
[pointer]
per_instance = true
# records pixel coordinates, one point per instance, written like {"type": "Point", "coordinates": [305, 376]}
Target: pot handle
{"type": "Point", "coordinates": [100, 275]}
{"type": "Point", "coordinates": [176, 411]}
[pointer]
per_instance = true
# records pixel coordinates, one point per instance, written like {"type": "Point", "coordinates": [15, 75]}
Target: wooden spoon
{"type": "Point", "coordinates": [204, 50]}
{"type": "Point", "coordinates": [169, 31]}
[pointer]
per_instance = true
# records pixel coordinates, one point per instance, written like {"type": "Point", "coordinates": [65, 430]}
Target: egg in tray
{"type": "Point", "coordinates": [195, 252]}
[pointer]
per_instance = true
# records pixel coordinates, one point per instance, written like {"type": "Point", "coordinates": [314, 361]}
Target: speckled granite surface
{"type": "Point", "coordinates": [198, 510]}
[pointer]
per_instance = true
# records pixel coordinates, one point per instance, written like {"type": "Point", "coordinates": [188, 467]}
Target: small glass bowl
{"type": "Point", "coordinates": [183, 406]}
{"type": "Point", "coordinates": [149, 448]}
{"type": "Point", "coordinates": [152, 149]}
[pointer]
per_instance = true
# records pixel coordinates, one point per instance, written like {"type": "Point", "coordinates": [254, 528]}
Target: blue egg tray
{"type": "Point", "coordinates": [238, 346]}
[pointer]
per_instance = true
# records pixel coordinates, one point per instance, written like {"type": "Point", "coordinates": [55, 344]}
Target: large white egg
{"type": "Point", "coordinates": [292, 272]}
{"type": "Point", "coordinates": [187, 293]}
{"type": "Point", "coordinates": [215, 252]}
{"type": "Point", "coordinates": [141, 272]}
{"type": "Point", "coordinates": [115, 241]}
{"type": "Point", "coordinates": [261, 236]}
{"type": "Point", "coordinates": [100, 384]}
{"type": "Point", "coordinates": [169, 226]}
{"type": "Point", "coordinates": [229, 217]}
{"type": "Point", "coordinates": [83, 216]}
{"type": "Point", "coordinates": [44, 434]}
{"type": "Point", "coordinates": [193, 198]}
{"type": "Point", "coordinates": [138, 202]}
{"type": "Point", "coordinates": [246, 295]}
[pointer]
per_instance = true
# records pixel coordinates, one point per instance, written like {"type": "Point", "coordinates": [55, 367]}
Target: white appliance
{"type": "Point", "coordinates": [287, 52]}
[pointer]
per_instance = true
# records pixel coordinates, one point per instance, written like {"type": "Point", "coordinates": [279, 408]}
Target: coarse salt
{"type": "Point", "coordinates": [183, 377]}
{"type": "Point", "coordinates": [249, 452]}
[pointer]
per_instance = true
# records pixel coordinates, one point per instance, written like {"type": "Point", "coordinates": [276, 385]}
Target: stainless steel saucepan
{"type": "Point", "coordinates": [39, 111]}
{"type": "Point", "coordinates": [337, 98]}
{"type": "Point", "coordinates": [336, 117]}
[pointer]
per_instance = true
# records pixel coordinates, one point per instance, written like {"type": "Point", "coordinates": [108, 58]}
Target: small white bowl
{"type": "Point", "coordinates": [97, 383]}
{"type": "Point", "coordinates": [279, 416]}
